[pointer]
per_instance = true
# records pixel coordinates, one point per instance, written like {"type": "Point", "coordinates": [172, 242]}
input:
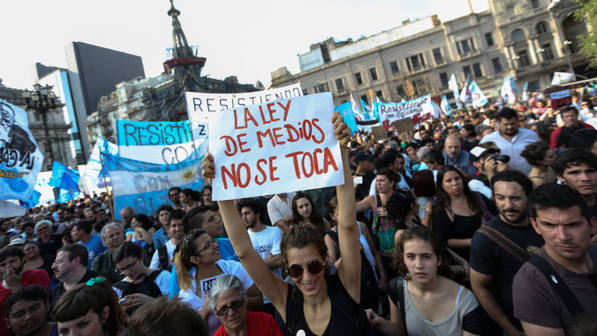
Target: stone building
{"type": "Point", "coordinates": [522, 38]}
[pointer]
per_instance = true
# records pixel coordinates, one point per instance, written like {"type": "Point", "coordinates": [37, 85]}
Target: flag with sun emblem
{"type": "Point", "coordinates": [144, 186]}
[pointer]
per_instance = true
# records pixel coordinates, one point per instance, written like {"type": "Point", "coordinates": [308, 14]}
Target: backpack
{"type": "Point", "coordinates": [163, 258]}
{"type": "Point", "coordinates": [396, 292]}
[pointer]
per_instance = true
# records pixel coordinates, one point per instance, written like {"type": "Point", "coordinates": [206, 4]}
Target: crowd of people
{"type": "Point", "coordinates": [481, 222]}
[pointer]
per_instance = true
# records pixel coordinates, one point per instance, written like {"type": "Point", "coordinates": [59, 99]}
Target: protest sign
{"type": "Point", "coordinates": [419, 110]}
{"type": "Point", "coordinates": [144, 186]}
{"type": "Point", "coordinates": [560, 98]}
{"type": "Point", "coordinates": [275, 147]}
{"type": "Point", "coordinates": [166, 154]}
{"type": "Point", "coordinates": [404, 125]}
{"type": "Point", "coordinates": [200, 104]}
{"type": "Point", "coordinates": [20, 156]}
{"type": "Point", "coordinates": [151, 133]}
{"type": "Point", "coordinates": [379, 133]}
{"type": "Point", "coordinates": [348, 115]}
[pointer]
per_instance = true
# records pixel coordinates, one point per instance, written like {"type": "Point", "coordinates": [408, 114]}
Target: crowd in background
{"type": "Point", "coordinates": [480, 222]}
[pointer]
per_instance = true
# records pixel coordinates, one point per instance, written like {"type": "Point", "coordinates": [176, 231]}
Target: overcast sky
{"type": "Point", "coordinates": [249, 39]}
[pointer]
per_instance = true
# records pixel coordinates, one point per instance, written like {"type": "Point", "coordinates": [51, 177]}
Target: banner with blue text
{"type": "Point", "coordinates": [154, 133]}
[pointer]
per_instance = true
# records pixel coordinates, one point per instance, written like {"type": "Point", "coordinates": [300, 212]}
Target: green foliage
{"type": "Point", "coordinates": [588, 12]}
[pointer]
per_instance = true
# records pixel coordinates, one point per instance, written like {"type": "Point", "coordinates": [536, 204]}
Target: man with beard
{"type": "Point", "coordinates": [173, 196]}
{"type": "Point", "coordinates": [14, 278]}
{"type": "Point", "coordinates": [499, 249]}
{"type": "Point", "coordinates": [162, 257]}
{"type": "Point", "coordinates": [265, 239]}
{"type": "Point", "coordinates": [511, 140]}
{"type": "Point", "coordinates": [27, 312]}
{"type": "Point", "coordinates": [70, 268]}
{"type": "Point", "coordinates": [560, 136]}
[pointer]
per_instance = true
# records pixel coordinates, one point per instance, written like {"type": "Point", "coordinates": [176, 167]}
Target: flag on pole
{"type": "Point", "coordinates": [453, 85]}
{"type": "Point", "coordinates": [67, 180]}
{"type": "Point", "coordinates": [509, 90]}
{"type": "Point", "coordinates": [465, 94]}
{"type": "Point", "coordinates": [525, 92]}
{"type": "Point", "coordinates": [358, 114]}
{"type": "Point", "coordinates": [375, 107]}
{"type": "Point", "coordinates": [445, 106]}
{"type": "Point", "coordinates": [437, 111]}
{"type": "Point", "coordinates": [366, 110]}
{"type": "Point", "coordinates": [477, 95]}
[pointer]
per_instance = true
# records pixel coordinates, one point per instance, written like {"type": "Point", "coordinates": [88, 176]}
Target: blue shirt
{"type": "Point", "coordinates": [94, 247]}
{"type": "Point", "coordinates": [514, 148]}
{"type": "Point", "coordinates": [159, 238]}
{"type": "Point", "coordinates": [463, 161]}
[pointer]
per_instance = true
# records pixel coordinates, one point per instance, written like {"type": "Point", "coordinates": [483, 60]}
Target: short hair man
{"type": "Point", "coordinates": [173, 196]}
{"type": "Point", "coordinates": [207, 218]}
{"type": "Point", "coordinates": [493, 263]}
{"type": "Point", "coordinates": [571, 122]}
{"type": "Point", "coordinates": [15, 278]}
{"type": "Point", "coordinates": [162, 257]}
{"type": "Point", "coordinates": [126, 215]}
{"type": "Point", "coordinates": [584, 139]}
{"type": "Point", "coordinates": [162, 317]}
{"type": "Point", "coordinates": [364, 169]}
{"type": "Point", "coordinates": [112, 237]}
{"type": "Point", "coordinates": [27, 312]}
{"type": "Point", "coordinates": [482, 158]}
{"type": "Point", "coordinates": [49, 243]}
{"type": "Point", "coordinates": [578, 169]}
{"type": "Point", "coordinates": [455, 156]}
{"type": "Point", "coordinates": [82, 231]}
{"type": "Point", "coordinates": [70, 268]}
{"type": "Point", "coordinates": [567, 261]}
{"type": "Point", "coordinates": [511, 139]}
{"type": "Point", "coordinates": [141, 284]}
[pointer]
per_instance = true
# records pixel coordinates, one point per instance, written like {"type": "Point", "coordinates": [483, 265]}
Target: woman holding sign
{"type": "Point", "coordinates": [307, 306]}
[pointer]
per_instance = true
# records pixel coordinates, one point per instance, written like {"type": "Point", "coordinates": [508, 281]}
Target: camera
{"type": "Point", "coordinates": [500, 157]}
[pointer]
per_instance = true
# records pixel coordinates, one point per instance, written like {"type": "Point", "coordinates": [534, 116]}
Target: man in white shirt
{"type": "Point", "coordinates": [279, 209]}
{"type": "Point", "coordinates": [175, 230]}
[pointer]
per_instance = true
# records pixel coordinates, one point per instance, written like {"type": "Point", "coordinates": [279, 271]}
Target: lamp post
{"type": "Point", "coordinates": [42, 99]}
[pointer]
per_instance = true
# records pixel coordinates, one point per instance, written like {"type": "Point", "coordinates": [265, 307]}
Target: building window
{"type": "Point", "coordinates": [535, 3]}
{"type": "Point", "coordinates": [373, 73]}
{"type": "Point", "coordinates": [437, 56]}
{"type": "Point", "coordinates": [321, 88]}
{"type": "Point", "coordinates": [510, 10]}
{"type": "Point", "coordinates": [465, 46]}
{"type": "Point", "coordinates": [400, 91]}
{"type": "Point", "coordinates": [547, 52]}
{"type": "Point", "coordinates": [477, 70]}
{"type": "Point", "coordinates": [467, 71]}
{"type": "Point", "coordinates": [379, 94]}
{"type": "Point", "coordinates": [523, 58]}
{"type": "Point", "coordinates": [394, 67]}
{"type": "Point", "coordinates": [339, 85]}
{"type": "Point", "coordinates": [364, 98]}
{"type": "Point", "coordinates": [358, 78]}
{"type": "Point", "coordinates": [415, 63]}
{"type": "Point", "coordinates": [420, 87]}
{"type": "Point", "coordinates": [517, 36]}
{"type": "Point", "coordinates": [305, 91]}
{"type": "Point", "coordinates": [489, 39]}
{"type": "Point", "coordinates": [497, 66]}
{"type": "Point", "coordinates": [542, 28]}
{"type": "Point", "coordinates": [443, 78]}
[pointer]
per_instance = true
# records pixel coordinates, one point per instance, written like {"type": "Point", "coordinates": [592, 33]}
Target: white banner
{"type": "Point", "coordinates": [276, 147]}
{"type": "Point", "coordinates": [417, 109]}
{"type": "Point", "coordinates": [200, 104]}
{"type": "Point", "coordinates": [165, 154]}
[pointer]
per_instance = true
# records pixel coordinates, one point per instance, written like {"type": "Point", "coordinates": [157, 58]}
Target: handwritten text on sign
{"type": "Point", "coordinates": [275, 147]}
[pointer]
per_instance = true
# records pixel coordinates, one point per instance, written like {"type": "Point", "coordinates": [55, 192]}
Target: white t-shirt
{"type": "Point", "coordinates": [155, 259]}
{"type": "Point", "coordinates": [162, 281]}
{"type": "Point", "coordinates": [267, 242]}
{"type": "Point", "coordinates": [278, 208]}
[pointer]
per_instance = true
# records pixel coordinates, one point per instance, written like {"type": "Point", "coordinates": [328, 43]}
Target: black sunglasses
{"type": "Point", "coordinates": [313, 266]}
{"type": "Point", "coordinates": [234, 306]}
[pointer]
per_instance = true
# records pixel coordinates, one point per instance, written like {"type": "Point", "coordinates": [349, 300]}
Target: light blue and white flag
{"type": "Point", "coordinates": [358, 114]}
{"type": "Point", "coordinates": [465, 94]}
{"type": "Point", "coordinates": [347, 113]}
{"type": "Point", "coordinates": [525, 92]}
{"type": "Point", "coordinates": [446, 108]}
{"type": "Point", "coordinates": [20, 156]}
{"type": "Point", "coordinates": [367, 110]}
{"type": "Point", "coordinates": [375, 108]}
{"type": "Point", "coordinates": [508, 91]}
{"type": "Point", "coordinates": [65, 179]}
{"type": "Point", "coordinates": [144, 186]}
{"type": "Point", "coordinates": [453, 85]}
{"type": "Point", "coordinates": [477, 95]}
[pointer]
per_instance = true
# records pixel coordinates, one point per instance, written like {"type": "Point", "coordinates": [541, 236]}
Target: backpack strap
{"type": "Point", "coordinates": [396, 292]}
{"type": "Point", "coordinates": [506, 243]}
{"type": "Point", "coordinates": [559, 285]}
{"type": "Point", "coordinates": [163, 258]}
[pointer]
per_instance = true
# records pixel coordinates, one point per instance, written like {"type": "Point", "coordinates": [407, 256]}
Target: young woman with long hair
{"type": "Point", "coordinates": [303, 212]}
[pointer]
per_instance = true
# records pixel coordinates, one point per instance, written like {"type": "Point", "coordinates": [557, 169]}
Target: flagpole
{"type": "Point", "coordinates": [106, 186]}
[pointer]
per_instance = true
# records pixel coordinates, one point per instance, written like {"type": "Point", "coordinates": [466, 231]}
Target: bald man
{"type": "Point", "coordinates": [126, 215]}
{"type": "Point", "coordinates": [455, 156]}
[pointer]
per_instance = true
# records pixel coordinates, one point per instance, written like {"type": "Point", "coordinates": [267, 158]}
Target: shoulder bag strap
{"type": "Point", "coordinates": [557, 283]}
{"type": "Point", "coordinates": [396, 286]}
{"type": "Point", "coordinates": [504, 242]}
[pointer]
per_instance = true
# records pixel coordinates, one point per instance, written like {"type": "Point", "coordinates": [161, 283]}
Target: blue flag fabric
{"type": "Point", "coordinates": [67, 180]}
{"type": "Point", "coordinates": [348, 115]}
{"type": "Point", "coordinates": [446, 108]}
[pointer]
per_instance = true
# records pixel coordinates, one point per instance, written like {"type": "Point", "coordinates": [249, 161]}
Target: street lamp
{"type": "Point", "coordinates": [568, 43]}
{"type": "Point", "coordinates": [42, 99]}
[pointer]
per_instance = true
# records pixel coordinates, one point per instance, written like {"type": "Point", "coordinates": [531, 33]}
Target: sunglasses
{"type": "Point", "coordinates": [234, 306]}
{"type": "Point", "coordinates": [313, 266]}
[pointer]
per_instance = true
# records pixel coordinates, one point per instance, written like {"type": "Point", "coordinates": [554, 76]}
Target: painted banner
{"type": "Point", "coordinates": [419, 110]}
{"type": "Point", "coordinates": [144, 186]}
{"type": "Point", "coordinates": [200, 104]}
{"type": "Point", "coordinates": [166, 154]}
{"type": "Point", "coordinates": [20, 156]}
{"type": "Point", "coordinates": [152, 133]}
{"type": "Point", "coordinates": [275, 147]}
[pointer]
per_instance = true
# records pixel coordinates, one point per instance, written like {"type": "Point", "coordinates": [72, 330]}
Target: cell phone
{"type": "Point", "coordinates": [122, 300]}
{"type": "Point", "coordinates": [357, 180]}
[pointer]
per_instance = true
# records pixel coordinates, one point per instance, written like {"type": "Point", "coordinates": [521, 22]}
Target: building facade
{"type": "Point", "coordinates": [519, 37]}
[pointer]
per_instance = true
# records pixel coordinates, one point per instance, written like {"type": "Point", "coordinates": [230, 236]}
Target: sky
{"type": "Point", "coordinates": [248, 39]}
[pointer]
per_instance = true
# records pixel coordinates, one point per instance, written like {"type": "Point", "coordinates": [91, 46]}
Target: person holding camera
{"type": "Point", "coordinates": [488, 160]}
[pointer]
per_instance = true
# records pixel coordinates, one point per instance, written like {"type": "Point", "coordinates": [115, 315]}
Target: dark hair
{"type": "Point", "coordinates": [568, 108]}
{"type": "Point", "coordinates": [583, 139]}
{"type": "Point", "coordinates": [315, 218]}
{"type": "Point", "coordinates": [85, 225]}
{"type": "Point", "coordinates": [390, 174]}
{"type": "Point", "coordinates": [543, 131]}
{"type": "Point", "coordinates": [192, 194]}
{"type": "Point", "coordinates": [128, 249]}
{"type": "Point", "coordinates": [174, 189]}
{"type": "Point", "coordinates": [384, 161]}
{"type": "Point", "coordinates": [194, 218]}
{"type": "Point", "coordinates": [534, 152]}
{"type": "Point", "coordinates": [28, 293]}
{"type": "Point", "coordinates": [83, 298]}
{"type": "Point", "coordinates": [164, 207]}
{"type": "Point", "coordinates": [560, 196]}
{"type": "Point", "coordinates": [182, 258]}
{"type": "Point", "coordinates": [507, 113]}
{"type": "Point", "coordinates": [27, 223]}
{"type": "Point", "coordinates": [252, 204]}
{"type": "Point", "coordinates": [300, 236]}
{"type": "Point", "coordinates": [443, 199]}
{"type": "Point", "coordinates": [573, 157]}
{"type": "Point", "coordinates": [511, 175]}
{"type": "Point", "coordinates": [12, 251]}
{"type": "Point", "coordinates": [144, 220]}
{"type": "Point", "coordinates": [434, 156]}
{"type": "Point", "coordinates": [176, 214]}
{"type": "Point", "coordinates": [470, 129]}
{"type": "Point", "coordinates": [423, 183]}
{"type": "Point", "coordinates": [426, 235]}
{"type": "Point", "coordinates": [399, 205]}
{"type": "Point", "coordinates": [74, 251]}
{"type": "Point", "coordinates": [163, 317]}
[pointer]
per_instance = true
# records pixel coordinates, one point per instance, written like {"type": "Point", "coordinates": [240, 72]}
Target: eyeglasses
{"type": "Point", "coordinates": [209, 244]}
{"type": "Point", "coordinates": [173, 195]}
{"type": "Point", "coordinates": [313, 266]}
{"type": "Point", "coordinates": [234, 306]}
{"type": "Point", "coordinates": [129, 266]}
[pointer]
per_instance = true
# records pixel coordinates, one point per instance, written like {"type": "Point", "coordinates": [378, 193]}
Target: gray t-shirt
{"type": "Point", "coordinates": [453, 324]}
{"type": "Point", "coordinates": [536, 302]}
